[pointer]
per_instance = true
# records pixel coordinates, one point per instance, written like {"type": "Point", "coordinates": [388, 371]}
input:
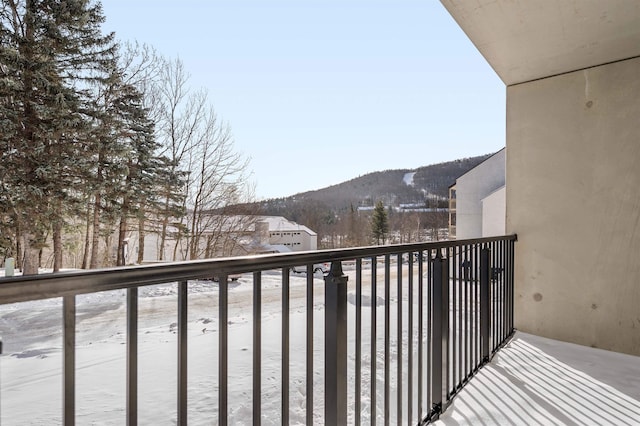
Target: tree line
{"type": "Point", "coordinates": [357, 227]}
{"type": "Point", "coordinates": [99, 138]}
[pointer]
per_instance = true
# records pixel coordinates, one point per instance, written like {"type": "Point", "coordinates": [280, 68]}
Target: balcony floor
{"type": "Point", "coordinates": [534, 380]}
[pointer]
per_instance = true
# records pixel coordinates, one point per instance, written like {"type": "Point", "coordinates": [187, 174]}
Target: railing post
{"type": "Point", "coordinates": [335, 355]}
{"type": "Point", "coordinates": [485, 306]}
{"type": "Point", "coordinates": [440, 321]}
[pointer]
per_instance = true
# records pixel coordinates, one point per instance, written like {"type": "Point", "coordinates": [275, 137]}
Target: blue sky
{"type": "Point", "coordinates": [321, 91]}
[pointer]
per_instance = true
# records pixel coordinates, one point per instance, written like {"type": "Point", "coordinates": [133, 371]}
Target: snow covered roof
{"type": "Point", "coordinates": [279, 223]}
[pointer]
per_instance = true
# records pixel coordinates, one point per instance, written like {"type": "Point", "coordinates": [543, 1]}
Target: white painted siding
{"type": "Point", "coordinates": [472, 188]}
{"type": "Point", "coordinates": [494, 207]}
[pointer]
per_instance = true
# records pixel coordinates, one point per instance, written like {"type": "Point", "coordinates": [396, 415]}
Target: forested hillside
{"type": "Point", "coordinates": [427, 183]}
{"type": "Point", "coordinates": [340, 214]}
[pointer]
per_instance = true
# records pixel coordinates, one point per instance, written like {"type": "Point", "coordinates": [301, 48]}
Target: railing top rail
{"type": "Point", "coordinates": [26, 288]}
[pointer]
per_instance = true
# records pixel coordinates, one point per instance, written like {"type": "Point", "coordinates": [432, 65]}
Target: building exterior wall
{"type": "Point", "coordinates": [493, 213]}
{"type": "Point", "coordinates": [244, 237]}
{"type": "Point", "coordinates": [573, 198]}
{"type": "Point", "coordinates": [294, 239]}
{"type": "Point", "coordinates": [471, 188]}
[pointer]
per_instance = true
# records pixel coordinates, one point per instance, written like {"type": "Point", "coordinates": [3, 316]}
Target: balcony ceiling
{"type": "Point", "coordinates": [526, 40]}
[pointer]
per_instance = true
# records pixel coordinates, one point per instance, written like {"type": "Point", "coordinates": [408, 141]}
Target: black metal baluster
{"type": "Point", "coordinates": [358, 367]}
{"type": "Point", "coordinates": [399, 341]}
{"type": "Point", "coordinates": [182, 353]}
{"type": "Point", "coordinates": [420, 332]}
{"type": "Point", "coordinates": [69, 366]}
{"type": "Point", "coordinates": [453, 340]}
{"type": "Point", "coordinates": [223, 319]}
{"type": "Point", "coordinates": [387, 341]}
{"type": "Point", "coordinates": [284, 407]}
{"type": "Point", "coordinates": [309, 399]}
{"type": "Point", "coordinates": [410, 342]}
{"type": "Point", "coordinates": [132, 356]}
{"type": "Point", "coordinates": [374, 354]}
{"type": "Point", "coordinates": [485, 304]}
{"type": "Point", "coordinates": [257, 348]}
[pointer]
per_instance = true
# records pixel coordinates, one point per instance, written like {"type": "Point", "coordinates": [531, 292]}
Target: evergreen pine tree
{"type": "Point", "coordinates": [379, 224]}
{"type": "Point", "coordinates": [49, 51]}
{"type": "Point", "coordinates": [142, 165]}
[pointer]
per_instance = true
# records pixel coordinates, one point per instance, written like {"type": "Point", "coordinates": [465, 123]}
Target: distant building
{"type": "Point", "coordinates": [477, 203]}
{"type": "Point", "coordinates": [289, 234]}
{"type": "Point", "coordinates": [232, 236]}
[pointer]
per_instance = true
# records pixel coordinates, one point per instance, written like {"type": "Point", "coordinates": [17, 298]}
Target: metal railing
{"type": "Point", "coordinates": [433, 314]}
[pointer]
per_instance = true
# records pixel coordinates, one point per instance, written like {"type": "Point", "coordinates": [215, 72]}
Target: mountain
{"type": "Point", "coordinates": [394, 187]}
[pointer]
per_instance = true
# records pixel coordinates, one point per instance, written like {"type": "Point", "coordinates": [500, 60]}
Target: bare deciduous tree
{"type": "Point", "coordinates": [206, 173]}
{"type": "Point", "coordinates": [217, 180]}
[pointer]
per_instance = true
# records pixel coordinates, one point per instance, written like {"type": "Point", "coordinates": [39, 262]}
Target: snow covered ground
{"type": "Point", "coordinates": [31, 376]}
{"type": "Point", "coordinates": [408, 178]}
{"type": "Point", "coordinates": [31, 365]}
{"type": "Point", "coordinates": [531, 381]}
{"type": "Point", "coordinates": [538, 381]}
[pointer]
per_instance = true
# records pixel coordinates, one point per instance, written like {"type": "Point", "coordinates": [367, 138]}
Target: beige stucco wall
{"type": "Point", "coordinates": [573, 198]}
